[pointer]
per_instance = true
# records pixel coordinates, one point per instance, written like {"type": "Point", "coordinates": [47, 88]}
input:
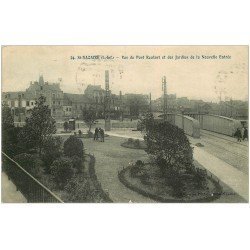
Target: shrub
{"type": "Point", "coordinates": [62, 171]}
{"type": "Point", "coordinates": [200, 178]}
{"type": "Point", "coordinates": [137, 143]}
{"type": "Point", "coordinates": [130, 140]}
{"type": "Point", "coordinates": [175, 181]}
{"type": "Point", "coordinates": [73, 146]}
{"type": "Point", "coordinates": [10, 142]}
{"type": "Point", "coordinates": [168, 144]}
{"type": "Point", "coordinates": [77, 163]}
{"type": "Point", "coordinates": [29, 162]}
{"type": "Point", "coordinates": [139, 163]}
{"type": "Point", "coordinates": [136, 170]}
{"type": "Point", "coordinates": [78, 191]}
{"type": "Point", "coordinates": [51, 151]}
{"type": "Point", "coordinates": [145, 179]}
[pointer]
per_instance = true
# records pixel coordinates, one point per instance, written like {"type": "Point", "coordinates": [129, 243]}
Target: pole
{"type": "Point", "coordinates": [164, 85]}
{"type": "Point", "coordinates": [107, 102]}
{"type": "Point", "coordinates": [231, 102]}
{"type": "Point", "coordinates": [150, 103]}
{"type": "Point", "coordinates": [121, 107]}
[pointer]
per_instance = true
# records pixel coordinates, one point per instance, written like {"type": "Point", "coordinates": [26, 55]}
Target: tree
{"type": "Point", "coordinates": [52, 150]}
{"type": "Point", "coordinates": [62, 171]}
{"type": "Point", "coordinates": [73, 146]}
{"type": "Point", "coordinates": [7, 118]}
{"type": "Point", "coordinates": [10, 133]}
{"type": "Point", "coordinates": [137, 104]}
{"type": "Point", "coordinates": [39, 126]}
{"type": "Point", "coordinates": [29, 162]}
{"type": "Point", "coordinates": [89, 116]}
{"type": "Point", "coordinates": [168, 145]}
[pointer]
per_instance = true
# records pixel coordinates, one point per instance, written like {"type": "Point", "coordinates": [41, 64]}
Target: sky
{"type": "Point", "coordinates": [196, 72]}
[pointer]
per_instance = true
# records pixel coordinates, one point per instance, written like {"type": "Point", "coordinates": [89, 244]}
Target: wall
{"type": "Point", "coordinates": [189, 125]}
{"type": "Point", "coordinates": [219, 124]}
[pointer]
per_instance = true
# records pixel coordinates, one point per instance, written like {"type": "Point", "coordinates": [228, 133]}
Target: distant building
{"type": "Point", "coordinates": [65, 105]}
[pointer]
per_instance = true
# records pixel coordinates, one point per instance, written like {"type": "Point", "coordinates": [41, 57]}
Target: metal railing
{"type": "Point", "coordinates": [31, 188]}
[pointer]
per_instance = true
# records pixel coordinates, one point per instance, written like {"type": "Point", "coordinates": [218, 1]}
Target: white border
{"type": "Point", "coordinates": [119, 226]}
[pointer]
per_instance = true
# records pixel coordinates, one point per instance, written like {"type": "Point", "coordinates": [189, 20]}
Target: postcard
{"type": "Point", "coordinates": [125, 124]}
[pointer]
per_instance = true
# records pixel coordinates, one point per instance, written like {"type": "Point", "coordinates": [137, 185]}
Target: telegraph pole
{"type": "Point", "coordinates": [150, 103]}
{"type": "Point", "coordinates": [107, 102]}
{"type": "Point", "coordinates": [121, 106]}
{"type": "Point", "coordinates": [164, 88]}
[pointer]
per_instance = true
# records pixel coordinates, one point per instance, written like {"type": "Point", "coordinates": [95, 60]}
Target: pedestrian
{"type": "Point", "coordinates": [102, 134]}
{"type": "Point", "coordinates": [96, 134]}
{"type": "Point", "coordinates": [245, 134]}
{"type": "Point", "coordinates": [238, 135]}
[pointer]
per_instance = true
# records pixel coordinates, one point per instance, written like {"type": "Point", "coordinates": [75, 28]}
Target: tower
{"type": "Point", "coordinates": [41, 80]}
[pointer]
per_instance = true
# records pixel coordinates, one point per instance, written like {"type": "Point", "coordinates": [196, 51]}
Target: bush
{"type": "Point", "coordinates": [175, 181]}
{"type": "Point", "coordinates": [137, 143]}
{"type": "Point", "coordinates": [130, 140]}
{"type": "Point", "coordinates": [200, 178]}
{"type": "Point", "coordinates": [78, 191]}
{"type": "Point", "coordinates": [77, 163]}
{"type": "Point", "coordinates": [51, 151]}
{"type": "Point", "coordinates": [62, 171]}
{"type": "Point", "coordinates": [29, 162]}
{"type": "Point", "coordinates": [10, 142]}
{"type": "Point", "coordinates": [73, 146]}
{"type": "Point", "coordinates": [137, 169]}
{"type": "Point", "coordinates": [168, 144]}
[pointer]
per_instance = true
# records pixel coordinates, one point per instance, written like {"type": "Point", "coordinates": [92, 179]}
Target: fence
{"type": "Point", "coordinates": [31, 188]}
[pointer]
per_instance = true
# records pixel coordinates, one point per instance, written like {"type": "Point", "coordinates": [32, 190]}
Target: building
{"type": "Point", "coordinates": [65, 105]}
{"type": "Point", "coordinates": [22, 102]}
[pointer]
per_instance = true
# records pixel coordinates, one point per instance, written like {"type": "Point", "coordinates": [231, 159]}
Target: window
{"type": "Point", "coordinates": [41, 87]}
{"type": "Point", "coordinates": [67, 109]}
{"type": "Point", "coordinates": [27, 103]}
{"type": "Point", "coordinates": [58, 103]}
{"type": "Point", "coordinates": [32, 103]}
{"type": "Point", "coordinates": [54, 102]}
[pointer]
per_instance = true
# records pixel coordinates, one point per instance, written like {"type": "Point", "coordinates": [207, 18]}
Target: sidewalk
{"type": "Point", "coordinates": [232, 177]}
{"type": "Point", "coordinates": [9, 193]}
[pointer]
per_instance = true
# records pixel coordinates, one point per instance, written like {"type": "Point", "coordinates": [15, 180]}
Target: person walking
{"type": "Point", "coordinates": [245, 134]}
{"type": "Point", "coordinates": [102, 134]}
{"type": "Point", "coordinates": [96, 134]}
{"type": "Point", "coordinates": [238, 135]}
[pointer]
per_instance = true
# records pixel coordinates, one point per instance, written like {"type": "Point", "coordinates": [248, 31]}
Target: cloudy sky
{"type": "Point", "coordinates": [196, 78]}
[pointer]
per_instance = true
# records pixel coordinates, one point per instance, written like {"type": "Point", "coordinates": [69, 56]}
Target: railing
{"type": "Point", "coordinates": [31, 188]}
